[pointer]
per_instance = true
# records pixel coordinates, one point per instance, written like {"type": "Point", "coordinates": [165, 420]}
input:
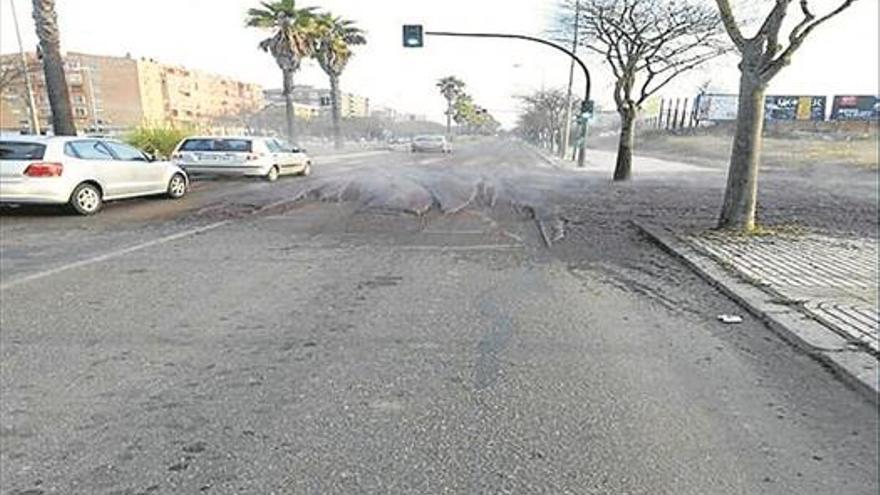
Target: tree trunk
{"type": "Point", "coordinates": [740, 197]}
{"type": "Point", "coordinates": [46, 22]}
{"type": "Point", "coordinates": [335, 111]}
{"type": "Point", "coordinates": [289, 108]}
{"type": "Point", "coordinates": [623, 168]}
{"type": "Point", "coordinates": [449, 119]}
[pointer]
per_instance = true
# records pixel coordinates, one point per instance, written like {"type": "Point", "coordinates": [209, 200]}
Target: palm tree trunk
{"type": "Point", "coordinates": [288, 106]}
{"type": "Point", "coordinates": [740, 197]}
{"type": "Point", "coordinates": [448, 118]}
{"type": "Point", "coordinates": [46, 22]}
{"type": "Point", "coordinates": [335, 111]}
{"type": "Point", "coordinates": [623, 168]}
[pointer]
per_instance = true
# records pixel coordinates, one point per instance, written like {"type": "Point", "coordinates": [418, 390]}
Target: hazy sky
{"type": "Point", "coordinates": [841, 57]}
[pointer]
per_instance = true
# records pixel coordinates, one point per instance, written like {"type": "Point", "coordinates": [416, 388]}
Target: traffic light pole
{"type": "Point", "coordinates": [584, 104]}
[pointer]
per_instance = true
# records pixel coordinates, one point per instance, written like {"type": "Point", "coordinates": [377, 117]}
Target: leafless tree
{"type": "Point", "coordinates": [11, 75]}
{"type": "Point", "coordinates": [647, 44]}
{"type": "Point", "coordinates": [763, 55]}
{"type": "Point", "coordinates": [543, 117]}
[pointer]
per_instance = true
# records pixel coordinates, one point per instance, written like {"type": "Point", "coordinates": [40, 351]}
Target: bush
{"type": "Point", "coordinates": [158, 141]}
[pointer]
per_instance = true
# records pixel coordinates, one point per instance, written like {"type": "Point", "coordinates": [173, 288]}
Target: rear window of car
{"type": "Point", "coordinates": [233, 145]}
{"type": "Point", "coordinates": [16, 150]}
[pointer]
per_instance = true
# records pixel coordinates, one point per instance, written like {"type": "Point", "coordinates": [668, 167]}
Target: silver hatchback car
{"type": "Point", "coordinates": [82, 172]}
{"type": "Point", "coordinates": [241, 155]}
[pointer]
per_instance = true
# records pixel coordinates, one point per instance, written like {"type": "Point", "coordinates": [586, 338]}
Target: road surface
{"type": "Point", "coordinates": [398, 323]}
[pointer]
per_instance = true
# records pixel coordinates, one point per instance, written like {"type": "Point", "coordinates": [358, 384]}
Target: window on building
{"type": "Point", "coordinates": [80, 99]}
{"type": "Point", "coordinates": [80, 112]}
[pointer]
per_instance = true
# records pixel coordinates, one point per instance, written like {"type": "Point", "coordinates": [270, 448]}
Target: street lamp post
{"type": "Point", "coordinates": [566, 137]}
{"type": "Point", "coordinates": [582, 142]}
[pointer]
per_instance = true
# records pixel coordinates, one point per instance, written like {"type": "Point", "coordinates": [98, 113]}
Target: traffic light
{"type": "Point", "coordinates": [413, 36]}
{"type": "Point", "coordinates": [587, 108]}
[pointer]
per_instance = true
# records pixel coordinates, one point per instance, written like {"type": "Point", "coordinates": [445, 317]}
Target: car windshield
{"type": "Point", "coordinates": [12, 150]}
{"type": "Point", "coordinates": [211, 144]}
{"type": "Point", "coordinates": [600, 247]}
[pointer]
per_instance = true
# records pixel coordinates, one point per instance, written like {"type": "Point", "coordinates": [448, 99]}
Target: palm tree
{"type": "Point", "coordinates": [291, 42]}
{"type": "Point", "coordinates": [46, 22]}
{"type": "Point", "coordinates": [333, 42]}
{"type": "Point", "coordinates": [451, 88]}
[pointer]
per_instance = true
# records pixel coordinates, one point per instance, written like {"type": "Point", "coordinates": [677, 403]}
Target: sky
{"type": "Point", "coordinates": [841, 57]}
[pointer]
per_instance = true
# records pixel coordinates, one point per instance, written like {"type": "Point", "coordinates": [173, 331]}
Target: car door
{"type": "Point", "coordinates": [148, 176]}
{"type": "Point", "coordinates": [294, 155]}
{"type": "Point", "coordinates": [115, 180]}
{"type": "Point", "coordinates": [280, 154]}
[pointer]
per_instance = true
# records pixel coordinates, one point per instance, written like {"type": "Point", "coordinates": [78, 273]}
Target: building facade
{"type": "Point", "coordinates": [117, 93]}
{"type": "Point", "coordinates": [350, 105]}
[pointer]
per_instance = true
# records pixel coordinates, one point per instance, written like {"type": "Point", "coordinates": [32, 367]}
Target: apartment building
{"type": "Point", "coordinates": [117, 93]}
{"type": "Point", "coordinates": [350, 104]}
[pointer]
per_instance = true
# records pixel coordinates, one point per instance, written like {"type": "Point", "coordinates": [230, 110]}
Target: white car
{"type": "Point", "coordinates": [82, 172]}
{"type": "Point", "coordinates": [244, 155]}
{"type": "Point", "coordinates": [430, 143]}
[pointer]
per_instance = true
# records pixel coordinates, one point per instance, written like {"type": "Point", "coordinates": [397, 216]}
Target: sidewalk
{"type": "Point", "coordinates": [820, 292]}
{"type": "Point", "coordinates": [603, 162]}
{"type": "Point", "coordinates": [833, 280]}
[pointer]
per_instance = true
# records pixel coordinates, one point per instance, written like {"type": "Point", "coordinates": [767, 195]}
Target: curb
{"type": "Point", "coordinates": [545, 157]}
{"type": "Point", "coordinates": [855, 367]}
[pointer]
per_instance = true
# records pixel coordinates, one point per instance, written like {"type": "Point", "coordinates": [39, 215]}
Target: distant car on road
{"type": "Point", "coordinates": [243, 156]}
{"type": "Point", "coordinates": [398, 144]}
{"type": "Point", "coordinates": [82, 172]}
{"type": "Point", "coordinates": [430, 143]}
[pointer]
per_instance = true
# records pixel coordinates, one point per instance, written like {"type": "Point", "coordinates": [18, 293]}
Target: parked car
{"type": "Point", "coordinates": [430, 143]}
{"type": "Point", "coordinates": [244, 155]}
{"type": "Point", "coordinates": [398, 144]}
{"type": "Point", "coordinates": [82, 172]}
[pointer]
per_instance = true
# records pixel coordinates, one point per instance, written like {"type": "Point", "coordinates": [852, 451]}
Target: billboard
{"type": "Point", "coordinates": [717, 107]}
{"type": "Point", "coordinates": [794, 107]}
{"type": "Point", "coordinates": [855, 107]}
{"type": "Point", "coordinates": [722, 107]}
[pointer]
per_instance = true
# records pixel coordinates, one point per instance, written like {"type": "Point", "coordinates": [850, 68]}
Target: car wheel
{"type": "Point", "coordinates": [176, 186]}
{"type": "Point", "coordinates": [307, 170]}
{"type": "Point", "coordinates": [86, 199]}
{"type": "Point", "coordinates": [272, 175]}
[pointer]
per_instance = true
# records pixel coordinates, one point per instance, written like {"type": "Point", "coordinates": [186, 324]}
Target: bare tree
{"type": "Point", "coordinates": [11, 75]}
{"type": "Point", "coordinates": [543, 117]}
{"type": "Point", "coordinates": [647, 44]}
{"type": "Point", "coordinates": [762, 57]}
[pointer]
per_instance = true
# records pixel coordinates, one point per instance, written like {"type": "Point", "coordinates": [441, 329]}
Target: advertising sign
{"type": "Point", "coordinates": [723, 107]}
{"type": "Point", "coordinates": [855, 107]}
{"type": "Point", "coordinates": [717, 107]}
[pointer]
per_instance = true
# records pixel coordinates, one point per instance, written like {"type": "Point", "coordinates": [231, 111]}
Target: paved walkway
{"type": "Point", "coordinates": [833, 280]}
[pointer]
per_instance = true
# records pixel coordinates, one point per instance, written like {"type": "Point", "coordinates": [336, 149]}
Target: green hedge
{"type": "Point", "coordinates": [158, 141]}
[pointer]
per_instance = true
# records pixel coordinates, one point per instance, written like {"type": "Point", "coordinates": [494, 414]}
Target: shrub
{"type": "Point", "coordinates": [158, 141]}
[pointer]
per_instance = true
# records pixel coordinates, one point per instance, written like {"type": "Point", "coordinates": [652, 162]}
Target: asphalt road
{"type": "Point", "coordinates": [398, 323]}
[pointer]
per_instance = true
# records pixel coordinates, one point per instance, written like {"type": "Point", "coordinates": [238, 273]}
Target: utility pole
{"type": "Point", "coordinates": [566, 137]}
{"type": "Point", "coordinates": [32, 104]}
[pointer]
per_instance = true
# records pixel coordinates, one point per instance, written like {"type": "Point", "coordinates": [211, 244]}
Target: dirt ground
{"type": "Point", "coordinates": [780, 151]}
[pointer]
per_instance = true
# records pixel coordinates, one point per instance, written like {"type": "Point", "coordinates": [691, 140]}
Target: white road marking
{"type": "Point", "coordinates": [475, 247]}
{"type": "Point", "coordinates": [131, 249]}
{"type": "Point", "coordinates": [317, 160]}
{"type": "Point", "coordinates": [112, 254]}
